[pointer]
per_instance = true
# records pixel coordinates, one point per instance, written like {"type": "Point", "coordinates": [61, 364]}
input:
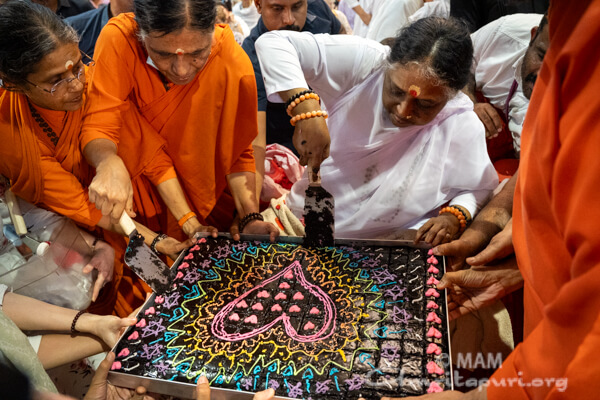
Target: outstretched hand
{"type": "Point", "coordinates": [172, 247]}
{"type": "Point", "coordinates": [103, 260]}
{"type": "Point", "coordinates": [440, 229]}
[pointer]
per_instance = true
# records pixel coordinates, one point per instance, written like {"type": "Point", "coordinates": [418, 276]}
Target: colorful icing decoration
{"type": "Point", "coordinates": [289, 275]}
{"type": "Point", "coordinates": [284, 285]}
{"type": "Point", "coordinates": [432, 305]}
{"type": "Point", "coordinates": [263, 294]}
{"type": "Point", "coordinates": [183, 265]}
{"type": "Point", "coordinates": [314, 311]}
{"type": "Point", "coordinates": [433, 270]}
{"type": "Point", "coordinates": [434, 349]}
{"type": "Point", "coordinates": [241, 304]}
{"type": "Point", "coordinates": [123, 353]}
{"type": "Point", "coordinates": [280, 296]}
{"type": "Point", "coordinates": [432, 260]}
{"type": "Point", "coordinates": [159, 299]}
{"type": "Point", "coordinates": [257, 307]}
{"type": "Point", "coordinates": [179, 275]}
{"type": "Point", "coordinates": [141, 323]}
{"type": "Point", "coordinates": [234, 317]}
{"type": "Point", "coordinates": [432, 332]}
{"type": "Point", "coordinates": [309, 326]}
{"type": "Point", "coordinates": [433, 317]}
{"type": "Point", "coordinates": [253, 319]}
{"type": "Point", "coordinates": [150, 310]}
{"type": "Point", "coordinates": [414, 90]}
{"type": "Point", "coordinates": [433, 368]}
{"type": "Point", "coordinates": [298, 296]}
{"type": "Point", "coordinates": [115, 365]}
{"type": "Point", "coordinates": [432, 281]}
{"type": "Point", "coordinates": [195, 248]}
{"type": "Point", "coordinates": [134, 336]}
{"type": "Point", "coordinates": [295, 308]}
{"type": "Point", "coordinates": [189, 257]}
{"type": "Point", "coordinates": [276, 308]}
{"type": "Point", "coordinates": [432, 292]}
{"type": "Point", "coordinates": [430, 252]}
{"type": "Point", "coordinates": [434, 388]}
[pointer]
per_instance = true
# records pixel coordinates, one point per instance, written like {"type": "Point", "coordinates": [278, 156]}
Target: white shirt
{"type": "Point", "coordinates": [249, 15]}
{"type": "Point", "coordinates": [360, 29]}
{"type": "Point", "coordinates": [389, 16]}
{"type": "Point", "coordinates": [435, 8]}
{"type": "Point", "coordinates": [383, 178]}
{"type": "Point", "coordinates": [499, 48]}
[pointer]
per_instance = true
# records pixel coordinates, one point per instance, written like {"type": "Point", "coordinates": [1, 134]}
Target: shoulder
{"type": "Point", "coordinates": [320, 18]}
{"type": "Point", "coordinates": [510, 28]}
{"type": "Point", "coordinates": [230, 52]}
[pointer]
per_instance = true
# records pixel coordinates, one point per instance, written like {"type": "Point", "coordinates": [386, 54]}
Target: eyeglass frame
{"type": "Point", "coordinates": [67, 81]}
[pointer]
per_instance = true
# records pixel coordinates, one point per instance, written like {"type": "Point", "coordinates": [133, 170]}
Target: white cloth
{"type": "Point", "coordinates": [389, 16]}
{"type": "Point", "coordinates": [383, 178]}
{"type": "Point", "coordinates": [3, 289]}
{"type": "Point", "coordinates": [498, 51]}
{"type": "Point", "coordinates": [435, 8]}
{"type": "Point", "coordinates": [360, 28]}
{"type": "Point", "coordinates": [249, 15]}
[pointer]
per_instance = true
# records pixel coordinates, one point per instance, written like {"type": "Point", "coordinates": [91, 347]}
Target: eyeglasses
{"type": "Point", "coordinates": [60, 88]}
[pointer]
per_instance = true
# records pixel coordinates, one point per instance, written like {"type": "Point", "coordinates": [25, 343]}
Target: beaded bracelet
{"type": "Point", "coordinates": [186, 218]}
{"type": "Point", "coordinates": [300, 99]}
{"type": "Point", "coordinates": [157, 239]}
{"type": "Point", "coordinates": [294, 97]}
{"type": "Point", "coordinates": [307, 115]}
{"type": "Point", "coordinates": [79, 314]}
{"type": "Point", "coordinates": [250, 217]}
{"type": "Point", "coordinates": [458, 214]}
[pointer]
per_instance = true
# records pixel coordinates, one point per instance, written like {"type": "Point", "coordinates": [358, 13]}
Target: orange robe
{"type": "Point", "coordinates": [557, 209]}
{"type": "Point", "coordinates": [56, 178]}
{"type": "Point", "coordinates": [208, 125]}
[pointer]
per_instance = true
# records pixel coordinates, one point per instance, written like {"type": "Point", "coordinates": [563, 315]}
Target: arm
{"type": "Point", "coordinates": [260, 147]}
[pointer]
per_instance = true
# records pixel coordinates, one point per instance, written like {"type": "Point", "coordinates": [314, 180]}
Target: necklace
{"type": "Point", "coordinates": [43, 125]}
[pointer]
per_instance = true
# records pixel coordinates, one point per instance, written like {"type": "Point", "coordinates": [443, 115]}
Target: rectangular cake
{"type": "Point", "coordinates": [360, 319]}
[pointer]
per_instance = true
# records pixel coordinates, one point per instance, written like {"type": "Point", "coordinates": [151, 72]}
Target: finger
{"type": "Point", "coordinates": [449, 279]}
{"type": "Point", "coordinates": [99, 202]}
{"type": "Point", "coordinates": [492, 252]}
{"type": "Point", "coordinates": [264, 395]}
{"type": "Point", "coordinates": [101, 374]}
{"type": "Point", "coordinates": [487, 122]}
{"type": "Point", "coordinates": [235, 231]}
{"type": "Point", "coordinates": [107, 208]}
{"type": "Point", "coordinates": [202, 389]}
{"type": "Point", "coordinates": [87, 269]}
{"type": "Point", "coordinates": [497, 122]}
{"type": "Point", "coordinates": [129, 205]}
{"type": "Point", "coordinates": [97, 287]}
{"type": "Point", "coordinates": [431, 233]}
{"type": "Point", "coordinates": [140, 393]}
{"type": "Point", "coordinates": [117, 210]}
{"type": "Point", "coordinates": [440, 237]}
{"type": "Point", "coordinates": [92, 196]}
{"type": "Point", "coordinates": [422, 230]}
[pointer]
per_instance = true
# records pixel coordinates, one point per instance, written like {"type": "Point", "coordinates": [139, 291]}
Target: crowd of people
{"type": "Point", "coordinates": [468, 126]}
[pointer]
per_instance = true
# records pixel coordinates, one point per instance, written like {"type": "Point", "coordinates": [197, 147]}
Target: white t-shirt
{"type": "Point", "coordinates": [249, 15]}
{"type": "Point", "coordinates": [499, 48]}
{"type": "Point", "coordinates": [383, 178]}
{"type": "Point", "coordinates": [389, 16]}
{"type": "Point", "coordinates": [435, 8]}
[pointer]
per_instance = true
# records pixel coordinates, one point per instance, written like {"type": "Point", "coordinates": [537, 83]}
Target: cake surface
{"type": "Point", "coordinates": [351, 321]}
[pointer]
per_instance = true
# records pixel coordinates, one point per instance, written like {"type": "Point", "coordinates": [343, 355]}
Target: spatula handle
{"type": "Point", "coordinates": [126, 223]}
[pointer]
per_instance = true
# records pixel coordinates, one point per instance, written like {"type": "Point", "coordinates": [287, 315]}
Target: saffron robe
{"type": "Point", "coordinates": [557, 207]}
{"type": "Point", "coordinates": [208, 125]}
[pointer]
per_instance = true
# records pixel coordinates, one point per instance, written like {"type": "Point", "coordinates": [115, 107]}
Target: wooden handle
{"type": "Point", "coordinates": [126, 223]}
{"type": "Point", "coordinates": [15, 213]}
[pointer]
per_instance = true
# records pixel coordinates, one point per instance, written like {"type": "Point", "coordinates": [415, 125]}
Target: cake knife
{"type": "Point", "coordinates": [318, 214]}
{"type": "Point", "coordinates": [142, 260]}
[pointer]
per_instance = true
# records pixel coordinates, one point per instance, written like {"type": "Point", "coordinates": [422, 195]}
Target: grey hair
{"type": "Point", "coordinates": [28, 33]}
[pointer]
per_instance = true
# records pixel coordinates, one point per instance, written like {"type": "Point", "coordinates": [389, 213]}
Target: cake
{"type": "Point", "coordinates": [337, 322]}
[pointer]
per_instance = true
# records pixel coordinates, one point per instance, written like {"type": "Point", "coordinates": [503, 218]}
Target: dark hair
{"type": "Point", "coordinates": [167, 16]}
{"type": "Point", "coordinates": [224, 3]}
{"type": "Point", "coordinates": [28, 33]}
{"type": "Point", "coordinates": [15, 384]}
{"type": "Point", "coordinates": [540, 27]}
{"type": "Point", "coordinates": [442, 44]}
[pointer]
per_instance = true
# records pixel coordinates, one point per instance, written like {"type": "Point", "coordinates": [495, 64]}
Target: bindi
{"type": "Point", "coordinates": [69, 65]}
{"type": "Point", "coordinates": [414, 90]}
{"type": "Point", "coordinates": [179, 52]}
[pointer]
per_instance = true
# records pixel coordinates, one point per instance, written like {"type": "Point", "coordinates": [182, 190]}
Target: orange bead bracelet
{"type": "Point", "coordinates": [300, 100]}
{"type": "Point", "coordinates": [458, 214]}
{"type": "Point", "coordinates": [311, 114]}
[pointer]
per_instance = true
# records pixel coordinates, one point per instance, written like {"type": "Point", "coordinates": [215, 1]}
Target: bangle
{"type": "Point", "coordinates": [307, 115]}
{"type": "Point", "coordinates": [300, 100]}
{"type": "Point", "coordinates": [457, 212]}
{"type": "Point", "coordinates": [297, 95]}
{"type": "Point", "coordinates": [186, 218]}
{"type": "Point", "coordinates": [157, 239]}
{"type": "Point", "coordinates": [73, 330]}
{"type": "Point", "coordinates": [250, 217]}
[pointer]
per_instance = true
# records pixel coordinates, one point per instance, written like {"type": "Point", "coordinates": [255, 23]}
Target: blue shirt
{"type": "Point", "coordinates": [88, 25]}
{"type": "Point", "coordinates": [69, 8]}
{"type": "Point", "coordinates": [319, 19]}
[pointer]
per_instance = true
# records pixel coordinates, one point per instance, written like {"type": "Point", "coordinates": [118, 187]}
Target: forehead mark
{"type": "Point", "coordinates": [179, 52]}
{"type": "Point", "coordinates": [414, 90]}
{"type": "Point", "coordinates": [69, 65]}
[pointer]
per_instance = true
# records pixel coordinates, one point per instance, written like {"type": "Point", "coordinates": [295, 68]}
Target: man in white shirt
{"type": "Point", "coordinates": [246, 10]}
{"type": "Point", "coordinates": [508, 54]}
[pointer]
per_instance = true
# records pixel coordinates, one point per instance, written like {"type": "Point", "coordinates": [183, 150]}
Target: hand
{"type": "Point", "coordinates": [106, 327]}
{"type": "Point", "coordinates": [172, 247]}
{"type": "Point", "coordinates": [111, 189]}
{"type": "Point", "coordinates": [491, 119]}
{"type": "Point", "coordinates": [193, 226]}
{"type": "Point", "coordinates": [255, 227]}
{"type": "Point", "coordinates": [203, 391]}
{"type": "Point", "coordinates": [440, 229]}
{"type": "Point", "coordinates": [103, 260]}
{"type": "Point", "coordinates": [477, 287]}
{"type": "Point", "coordinates": [500, 246]}
{"type": "Point", "coordinates": [100, 389]}
{"type": "Point", "coordinates": [311, 139]}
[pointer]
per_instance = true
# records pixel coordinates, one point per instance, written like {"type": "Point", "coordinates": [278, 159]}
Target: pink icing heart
{"type": "Point", "coordinates": [432, 260]}
{"type": "Point", "coordinates": [433, 349]}
{"type": "Point", "coordinates": [251, 320]}
{"type": "Point", "coordinates": [115, 365]}
{"type": "Point", "coordinates": [432, 317]}
{"type": "Point", "coordinates": [134, 336]}
{"type": "Point", "coordinates": [276, 307]}
{"type": "Point", "coordinates": [325, 328]}
{"type": "Point", "coordinates": [284, 285]}
{"type": "Point", "coordinates": [295, 308]}
{"type": "Point", "coordinates": [179, 275]}
{"type": "Point", "coordinates": [234, 317]}
{"type": "Point", "coordinates": [188, 257]}
{"type": "Point", "coordinates": [432, 292]}
{"type": "Point", "coordinates": [432, 304]}
{"type": "Point", "coordinates": [202, 240]}
{"type": "Point", "coordinates": [309, 326]}
{"type": "Point", "coordinates": [123, 353]}
{"type": "Point", "coordinates": [298, 296]}
{"type": "Point", "coordinates": [195, 248]}
{"type": "Point", "coordinates": [183, 265]}
{"type": "Point", "coordinates": [241, 304]}
{"type": "Point", "coordinates": [433, 270]}
{"type": "Point", "coordinates": [314, 311]}
{"type": "Point", "coordinates": [141, 323]}
{"type": "Point", "coordinates": [280, 296]}
{"type": "Point", "coordinates": [159, 299]}
{"type": "Point", "coordinates": [263, 294]}
{"type": "Point", "coordinates": [150, 310]}
{"type": "Point", "coordinates": [258, 307]}
{"type": "Point", "coordinates": [430, 252]}
{"type": "Point", "coordinates": [433, 368]}
{"type": "Point", "coordinates": [434, 388]}
{"type": "Point", "coordinates": [432, 281]}
{"type": "Point", "coordinates": [432, 332]}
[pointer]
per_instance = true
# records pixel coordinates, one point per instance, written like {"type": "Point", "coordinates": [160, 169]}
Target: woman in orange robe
{"type": "Point", "coordinates": [192, 87]}
{"type": "Point", "coordinates": [42, 103]}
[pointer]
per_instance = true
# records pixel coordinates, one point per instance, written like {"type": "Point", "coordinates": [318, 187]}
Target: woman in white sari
{"type": "Point", "coordinates": [404, 140]}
